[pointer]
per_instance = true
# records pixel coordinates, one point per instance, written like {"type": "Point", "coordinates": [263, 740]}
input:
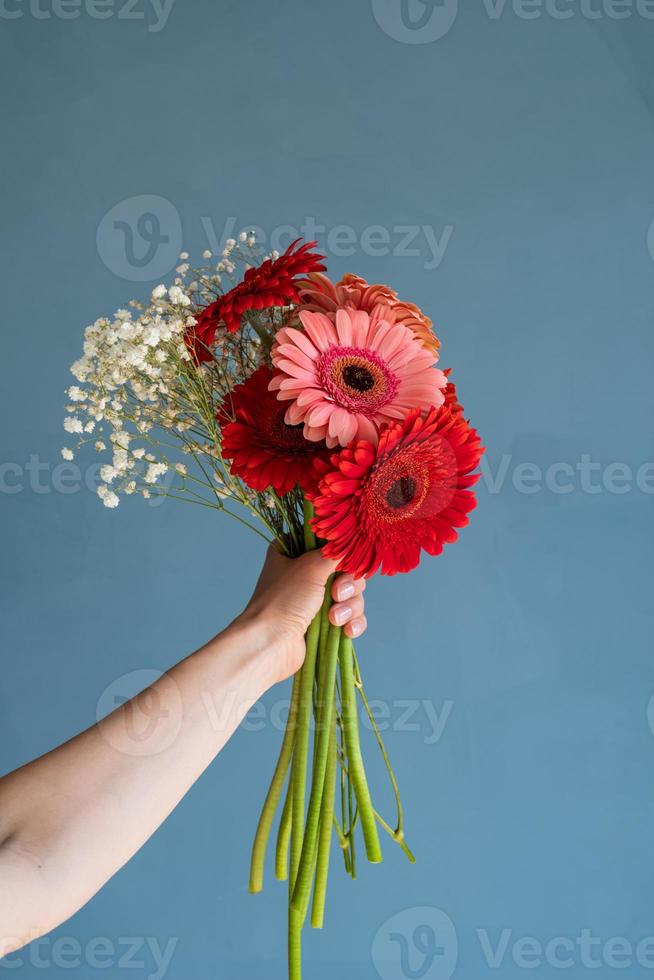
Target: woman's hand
{"type": "Point", "coordinates": [288, 595]}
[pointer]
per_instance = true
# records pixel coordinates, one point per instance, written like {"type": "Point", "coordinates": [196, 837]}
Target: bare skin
{"type": "Point", "coordinates": [72, 818]}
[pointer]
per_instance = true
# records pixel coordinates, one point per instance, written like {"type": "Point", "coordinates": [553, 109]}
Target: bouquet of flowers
{"type": "Point", "coordinates": [314, 413]}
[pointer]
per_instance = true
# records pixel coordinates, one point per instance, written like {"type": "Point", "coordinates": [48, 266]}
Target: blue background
{"type": "Point", "coordinates": [533, 139]}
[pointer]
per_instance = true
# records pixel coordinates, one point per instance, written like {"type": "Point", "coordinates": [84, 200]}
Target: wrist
{"type": "Point", "coordinates": [262, 648]}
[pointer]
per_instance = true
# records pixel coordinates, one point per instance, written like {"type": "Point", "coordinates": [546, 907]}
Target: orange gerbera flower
{"type": "Point", "coordinates": [318, 293]}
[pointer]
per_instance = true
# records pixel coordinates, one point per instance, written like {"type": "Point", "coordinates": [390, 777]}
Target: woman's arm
{"type": "Point", "coordinates": [71, 819]}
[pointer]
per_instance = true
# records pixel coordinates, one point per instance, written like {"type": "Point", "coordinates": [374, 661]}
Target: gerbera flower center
{"type": "Point", "coordinates": [414, 481]}
{"type": "Point", "coordinates": [290, 437]}
{"type": "Point", "coordinates": [357, 379]}
{"type": "Point", "coordinates": [402, 492]}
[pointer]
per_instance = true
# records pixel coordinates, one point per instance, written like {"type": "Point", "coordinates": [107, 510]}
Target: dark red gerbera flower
{"type": "Point", "coordinates": [265, 451]}
{"type": "Point", "coordinates": [269, 284]}
{"type": "Point", "coordinates": [381, 505]}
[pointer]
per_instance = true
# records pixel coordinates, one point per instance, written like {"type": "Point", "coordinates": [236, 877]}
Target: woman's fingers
{"type": "Point", "coordinates": [344, 587]}
{"type": "Point", "coordinates": [355, 627]}
{"type": "Point", "coordinates": [347, 611]}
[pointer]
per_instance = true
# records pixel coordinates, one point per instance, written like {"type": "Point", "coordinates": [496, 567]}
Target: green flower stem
{"type": "Point", "coordinates": [274, 795]}
{"type": "Point", "coordinates": [303, 720]}
{"type": "Point", "coordinates": [356, 769]}
{"type": "Point", "coordinates": [301, 748]}
{"type": "Point", "coordinates": [325, 834]}
{"type": "Point", "coordinates": [302, 888]}
{"type": "Point", "coordinates": [309, 536]}
{"type": "Point", "coordinates": [283, 837]}
{"type": "Point", "coordinates": [294, 945]}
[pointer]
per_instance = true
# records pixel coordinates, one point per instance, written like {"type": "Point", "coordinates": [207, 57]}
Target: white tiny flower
{"type": "Point", "coordinates": [138, 453]}
{"type": "Point", "coordinates": [108, 473]}
{"type": "Point", "coordinates": [100, 446]}
{"type": "Point", "coordinates": [107, 496]}
{"type": "Point", "coordinates": [154, 471]}
{"type": "Point", "coordinates": [146, 494]}
{"type": "Point", "coordinates": [181, 468]}
{"type": "Point", "coordinates": [121, 438]}
{"type": "Point", "coordinates": [206, 254]}
{"type": "Point", "coordinates": [243, 237]}
{"type": "Point", "coordinates": [73, 424]}
{"type": "Point", "coordinates": [178, 297]}
{"type": "Point", "coordinates": [159, 292]}
{"type": "Point", "coordinates": [183, 256]}
{"type": "Point", "coordinates": [67, 453]}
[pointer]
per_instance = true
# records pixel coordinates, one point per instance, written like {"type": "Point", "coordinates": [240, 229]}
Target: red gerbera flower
{"type": "Point", "coordinates": [451, 398]}
{"type": "Point", "coordinates": [265, 451]}
{"type": "Point", "coordinates": [381, 505]}
{"type": "Point", "coordinates": [269, 284]}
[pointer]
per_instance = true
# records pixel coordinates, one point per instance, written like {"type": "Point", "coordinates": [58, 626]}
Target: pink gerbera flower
{"type": "Point", "coordinates": [348, 373]}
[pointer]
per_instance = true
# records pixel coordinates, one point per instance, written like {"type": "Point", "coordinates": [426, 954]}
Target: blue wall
{"type": "Point", "coordinates": [524, 143]}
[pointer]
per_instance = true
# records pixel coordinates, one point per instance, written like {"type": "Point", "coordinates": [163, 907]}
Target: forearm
{"type": "Point", "coordinates": [71, 819]}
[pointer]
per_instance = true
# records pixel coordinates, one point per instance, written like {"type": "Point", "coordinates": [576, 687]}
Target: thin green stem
{"type": "Point", "coordinates": [398, 840]}
{"type": "Point", "coordinates": [356, 768]}
{"type": "Point", "coordinates": [398, 833]}
{"type": "Point", "coordinates": [325, 834]}
{"type": "Point", "coordinates": [294, 945]}
{"type": "Point", "coordinates": [309, 536]}
{"type": "Point", "coordinates": [274, 795]}
{"type": "Point", "coordinates": [283, 837]}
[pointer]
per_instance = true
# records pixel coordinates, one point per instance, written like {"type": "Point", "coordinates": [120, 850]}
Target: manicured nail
{"type": "Point", "coordinates": [355, 627]}
{"type": "Point", "coordinates": [346, 590]}
{"type": "Point", "coordinates": [342, 614]}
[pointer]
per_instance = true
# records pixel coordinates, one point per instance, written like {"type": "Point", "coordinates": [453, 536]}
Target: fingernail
{"type": "Point", "coordinates": [342, 614]}
{"type": "Point", "coordinates": [346, 590]}
{"type": "Point", "coordinates": [355, 627]}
